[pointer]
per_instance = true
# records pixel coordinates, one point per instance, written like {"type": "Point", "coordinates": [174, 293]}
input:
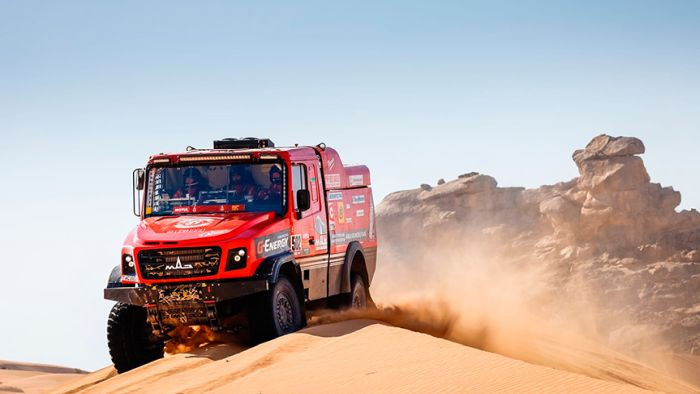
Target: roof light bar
{"type": "Point", "coordinates": [243, 143]}
{"type": "Point", "coordinates": [268, 157]}
{"type": "Point", "coordinates": [213, 158]}
{"type": "Point", "coordinates": [160, 161]}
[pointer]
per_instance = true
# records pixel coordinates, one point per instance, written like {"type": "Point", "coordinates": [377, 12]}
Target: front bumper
{"type": "Point", "coordinates": [206, 292]}
{"type": "Point", "coordinates": [168, 305]}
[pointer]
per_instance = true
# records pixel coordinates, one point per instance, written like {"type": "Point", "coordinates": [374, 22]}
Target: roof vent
{"type": "Point", "coordinates": [243, 143]}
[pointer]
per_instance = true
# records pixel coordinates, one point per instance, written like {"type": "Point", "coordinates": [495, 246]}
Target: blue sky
{"type": "Point", "coordinates": [416, 90]}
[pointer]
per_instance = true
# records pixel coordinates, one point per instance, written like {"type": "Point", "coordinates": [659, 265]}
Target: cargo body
{"type": "Point", "coordinates": [244, 228]}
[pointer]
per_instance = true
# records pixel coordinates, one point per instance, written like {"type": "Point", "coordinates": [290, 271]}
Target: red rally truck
{"type": "Point", "coordinates": [243, 229]}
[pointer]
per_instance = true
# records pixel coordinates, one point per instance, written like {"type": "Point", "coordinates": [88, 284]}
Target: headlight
{"type": "Point", "coordinates": [236, 259]}
{"type": "Point", "coordinates": [128, 266]}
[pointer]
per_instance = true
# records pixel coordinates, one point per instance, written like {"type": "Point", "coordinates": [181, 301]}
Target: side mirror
{"type": "Point", "coordinates": [139, 178]}
{"type": "Point", "coordinates": [139, 182]}
{"type": "Point", "coordinates": [303, 200]}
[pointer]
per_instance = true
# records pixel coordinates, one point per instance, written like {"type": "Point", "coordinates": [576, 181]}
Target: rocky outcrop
{"type": "Point", "coordinates": [611, 231]}
{"type": "Point", "coordinates": [618, 202]}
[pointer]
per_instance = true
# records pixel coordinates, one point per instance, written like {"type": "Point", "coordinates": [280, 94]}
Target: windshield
{"type": "Point", "coordinates": [239, 187]}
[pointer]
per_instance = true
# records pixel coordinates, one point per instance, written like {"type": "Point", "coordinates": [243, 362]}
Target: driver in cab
{"type": "Point", "coordinates": [274, 192]}
{"type": "Point", "coordinates": [193, 184]}
{"type": "Point", "coordinates": [241, 185]}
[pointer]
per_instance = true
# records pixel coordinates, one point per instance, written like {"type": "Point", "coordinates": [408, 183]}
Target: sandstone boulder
{"type": "Point", "coordinates": [613, 174]}
{"type": "Point", "coordinates": [605, 146]}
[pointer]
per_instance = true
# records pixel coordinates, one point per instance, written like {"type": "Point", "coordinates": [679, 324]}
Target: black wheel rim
{"type": "Point", "coordinates": [285, 313]}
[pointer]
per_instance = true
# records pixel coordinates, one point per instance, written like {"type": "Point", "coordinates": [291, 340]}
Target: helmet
{"type": "Point", "coordinates": [193, 177]}
{"type": "Point", "coordinates": [237, 170]}
{"type": "Point", "coordinates": [275, 175]}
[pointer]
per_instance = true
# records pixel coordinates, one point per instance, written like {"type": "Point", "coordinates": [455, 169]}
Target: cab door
{"type": "Point", "coordinates": [309, 234]}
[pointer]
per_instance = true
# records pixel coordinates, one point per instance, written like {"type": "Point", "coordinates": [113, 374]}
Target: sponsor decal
{"type": "Point", "coordinates": [296, 243]}
{"type": "Point", "coordinates": [194, 223]}
{"type": "Point", "coordinates": [319, 226]}
{"type": "Point", "coordinates": [272, 244]}
{"type": "Point", "coordinates": [212, 233]}
{"type": "Point", "coordinates": [344, 238]}
{"type": "Point", "coordinates": [178, 266]}
{"type": "Point", "coordinates": [335, 196]}
{"type": "Point", "coordinates": [341, 212]}
{"type": "Point", "coordinates": [210, 208]}
{"type": "Point", "coordinates": [331, 163]}
{"type": "Point", "coordinates": [332, 180]}
{"type": "Point", "coordinates": [322, 243]}
{"type": "Point", "coordinates": [360, 213]}
{"type": "Point", "coordinates": [156, 186]}
{"type": "Point", "coordinates": [129, 278]}
{"type": "Point", "coordinates": [358, 199]}
{"type": "Point", "coordinates": [356, 180]}
{"type": "Point", "coordinates": [348, 220]}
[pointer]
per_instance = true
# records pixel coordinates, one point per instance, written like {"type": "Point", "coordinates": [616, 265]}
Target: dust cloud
{"type": "Point", "coordinates": [597, 275]}
{"type": "Point", "coordinates": [472, 294]}
{"type": "Point", "coordinates": [468, 287]}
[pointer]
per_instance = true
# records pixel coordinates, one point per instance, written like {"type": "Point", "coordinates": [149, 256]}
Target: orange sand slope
{"type": "Point", "coordinates": [351, 356]}
{"type": "Point", "coordinates": [18, 377]}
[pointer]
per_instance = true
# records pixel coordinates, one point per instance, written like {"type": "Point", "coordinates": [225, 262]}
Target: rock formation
{"type": "Point", "coordinates": [610, 231]}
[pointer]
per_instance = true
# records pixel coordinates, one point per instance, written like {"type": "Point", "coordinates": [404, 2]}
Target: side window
{"type": "Point", "coordinates": [298, 180]}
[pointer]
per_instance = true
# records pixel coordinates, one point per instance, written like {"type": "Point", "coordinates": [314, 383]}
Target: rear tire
{"type": "Point", "coordinates": [130, 339]}
{"type": "Point", "coordinates": [276, 312]}
{"type": "Point", "coordinates": [359, 296]}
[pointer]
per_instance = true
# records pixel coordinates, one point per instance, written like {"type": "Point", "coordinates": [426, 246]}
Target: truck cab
{"type": "Point", "coordinates": [244, 228]}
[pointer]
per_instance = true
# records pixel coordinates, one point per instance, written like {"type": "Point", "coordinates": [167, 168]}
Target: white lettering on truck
{"type": "Point", "coordinates": [272, 244]}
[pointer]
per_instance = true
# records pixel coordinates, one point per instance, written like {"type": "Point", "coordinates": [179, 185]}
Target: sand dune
{"type": "Point", "coordinates": [347, 356]}
{"type": "Point", "coordinates": [16, 377]}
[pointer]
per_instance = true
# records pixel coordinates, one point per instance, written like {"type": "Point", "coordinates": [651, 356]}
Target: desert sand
{"type": "Point", "coordinates": [18, 377]}
{"type": "Point", "coordinates": [350, 356]}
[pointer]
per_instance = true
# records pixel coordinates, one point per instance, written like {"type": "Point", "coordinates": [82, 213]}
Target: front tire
{"type": "Point", "coordinates": [277, 312]}
{"type": "Point", "coordinates": [130, 339]}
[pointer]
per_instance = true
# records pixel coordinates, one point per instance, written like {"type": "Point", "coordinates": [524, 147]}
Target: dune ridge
{"type": "Point", "coordinates": [20, 377]}
{"type": "Point", "coordinates": [565, 353]}
{"type": "Point", "coordinates": [356, 355]}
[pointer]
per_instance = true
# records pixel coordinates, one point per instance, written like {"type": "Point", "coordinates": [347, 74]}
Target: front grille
{"type": "Point", "coordinates": [179, 263]}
